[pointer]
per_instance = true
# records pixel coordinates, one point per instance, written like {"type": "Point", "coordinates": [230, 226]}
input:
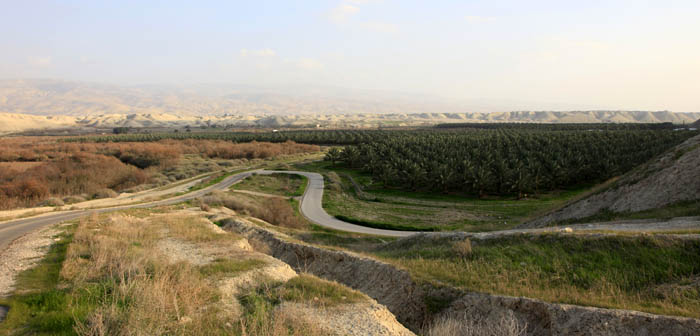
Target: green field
{"type": "Point", "coordinates": [654, 274]}
{"type": "Point", "coordinates": [288, 185]}
{"type": "Point", "coordinates": [376, 206]}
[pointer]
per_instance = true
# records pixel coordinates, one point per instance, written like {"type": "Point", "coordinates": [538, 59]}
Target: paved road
{"type": "Point", "coordinates": [11, 230]}
{"type": "Point", "coordinates": [312, 209]}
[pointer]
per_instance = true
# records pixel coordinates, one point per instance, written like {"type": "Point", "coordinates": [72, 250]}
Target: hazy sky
{"type": "Point", "coordinates": [625, 54]}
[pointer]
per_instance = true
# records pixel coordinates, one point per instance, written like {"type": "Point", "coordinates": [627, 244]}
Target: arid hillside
{"type": "Point", "coordinates": [51, 104]}
{"type": "Point", "coordinates": [12, 122]}
{"type": "Point", "coordinates": [673, 177]}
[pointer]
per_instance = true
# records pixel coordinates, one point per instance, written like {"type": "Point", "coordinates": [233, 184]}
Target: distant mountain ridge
{"type": "Point", "coordinates": [12, 122]}
{"type": "Point", "coordinates": [50, 104]}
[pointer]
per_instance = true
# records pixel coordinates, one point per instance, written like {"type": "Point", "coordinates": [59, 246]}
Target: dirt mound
{"type": "Point", "coordinates": [349, 320]}
{"type": "Point", "coordinates": [671, 178]}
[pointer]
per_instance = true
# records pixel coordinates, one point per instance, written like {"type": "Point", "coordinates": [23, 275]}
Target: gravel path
{"type": "Point", "coordinates": [22, 254]}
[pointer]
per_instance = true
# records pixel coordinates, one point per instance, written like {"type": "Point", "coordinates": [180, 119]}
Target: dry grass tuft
{"type": "Point", "coordinates": [140, 293]}
{"type": "Point", "coordinates": [275, 211]}
{"type": "Point", "coordinates": [463, 248]}
{"type": "Point", "coordinates": [466, 325]}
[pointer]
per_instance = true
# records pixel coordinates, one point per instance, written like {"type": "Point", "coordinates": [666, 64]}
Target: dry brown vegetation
{"type": "Point", "coordinates": [276, 211]}
{"type": "Point", "coordinates": [36, 168]}
{"type": "Point", "coordinates": [467, 325]}
{"type": "Point", "coordinates": [134, 289]}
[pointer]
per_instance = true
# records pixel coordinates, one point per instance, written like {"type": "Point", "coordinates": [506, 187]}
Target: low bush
{"type": "Point", "coordinates": [52, 201]}
{"type": "Point", "coordinates": [465, 325]}
{"type": "Point", "coordinates": [463, 248]}
{"type": "Point", "coordinates": [104, 193]}
{"type": "Point", "coordinates": [73, 199]}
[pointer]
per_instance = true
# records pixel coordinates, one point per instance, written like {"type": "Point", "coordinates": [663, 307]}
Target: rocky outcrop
{"type": "Point", "coordinates": [408, 300]}
{"type": "Point", "coordinates": [672, 178]}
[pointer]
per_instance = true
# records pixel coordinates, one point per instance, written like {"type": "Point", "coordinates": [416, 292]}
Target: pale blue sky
{"type": "Point", "coordinates": [620, 54]}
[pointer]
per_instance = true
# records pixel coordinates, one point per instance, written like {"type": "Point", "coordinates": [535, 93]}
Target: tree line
{"type": "Point", "coordinates": [504, 161]}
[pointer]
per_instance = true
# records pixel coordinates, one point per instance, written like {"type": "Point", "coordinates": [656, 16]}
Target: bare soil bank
{"type": "Point", "coordinates": [415, 305]}
{"type": "Point", "coordinates": [673, 177]}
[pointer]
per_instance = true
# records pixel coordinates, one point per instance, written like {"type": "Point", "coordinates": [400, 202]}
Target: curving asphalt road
{"type": "Point", "coordinates": [11, 230]}
{"type": "Point", "coordinates": [312, 209]}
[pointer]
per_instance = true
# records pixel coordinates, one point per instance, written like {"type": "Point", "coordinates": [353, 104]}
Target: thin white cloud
{"type": "Point", "coordinates": [267, 52]}
{"type": "Point", "coordinates": [475, 19]}
{"type": "Point", "coordinates": [342, 13]}
{"type": "Point", "coordinates": [39, 61]}
{"type": "Point", "coordinates": [309, 64]}
{"type": "Point", "coordinates": [380, 27]}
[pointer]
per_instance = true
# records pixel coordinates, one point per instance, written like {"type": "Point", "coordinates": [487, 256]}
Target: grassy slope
{"type": "Point", "coordinates": [39, 305]}
{"type": "Point", "coordinates": [109, 270]}
{"type": "Point", "coordinates": [402, 210]}
{"type": "Point", "coordinates": [288, 185]}
{"type": "Point", "coordinates": [680, 209]}
{"type": "Point", "coordinates": [656, 275]}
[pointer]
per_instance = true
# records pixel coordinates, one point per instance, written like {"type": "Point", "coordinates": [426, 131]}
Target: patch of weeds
{"type": "Point", "coordinates": [310, 289]}
{"type": "Point", "coordinates": [230, 266]}
{"type": "Point", "coordinates": [39, 306]}
{"type": "Point", "coordinates": [609, 271]}
{"type": "Point", "coordinates": [679, 209]}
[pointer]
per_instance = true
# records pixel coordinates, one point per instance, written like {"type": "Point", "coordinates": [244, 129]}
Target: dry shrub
{"type": "Point", "coordinates": [280, 323]}
{"type": "Point", "coordinates": [59, 169]}
{"type": "Point", "coordinates": [463, 248]}
{"type": "Point", "coordinates": [73, 199]}
{"type": "Point", "coordinates": [119, 256]}
{"type": "Point", "coordinates": [278, 211]}
{"type": "Point", "coordinates": [221, 198]}
{"type": "Point", "coordinates": [260, 246]}
{"type": "Point", "coordinates": [469, 325]}
{"type": "Point", "coordinates": [53, 201]}
{"type": "Point", "coordinates": [76, 174]}
{"type": "Point", "coordinates": [104, 193]}
{"type": "Point", "coordinates": [334, 182]}
{"type": "Point", "coordinates": [250, 150]}
{"type": "Point", "coordinates": [204, 207]}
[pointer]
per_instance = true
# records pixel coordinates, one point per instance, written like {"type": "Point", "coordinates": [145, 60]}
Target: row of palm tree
{"type": "Point", "coordinates": [501, 162]}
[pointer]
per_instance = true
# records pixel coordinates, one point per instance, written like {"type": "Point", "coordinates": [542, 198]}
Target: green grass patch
{"type": "Point", "coordinates": [39, 306]}
{"type": "Point", "coordinates": [310, 289]}
{"type": "Point", "coordinates": [680, 209]}
{"type": "Point", "coordinates": [228, 267]}
{"type": "Point", "coordinates": [213, 179]}
{"type": "Point", "coordinates": [653, 274]}
{"type": "Point", "coordinates": [323, 236]}
{"type": "Point", "coordinates": [384, 208]}
{"type": "Point", "coordinates": [288, 185]}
